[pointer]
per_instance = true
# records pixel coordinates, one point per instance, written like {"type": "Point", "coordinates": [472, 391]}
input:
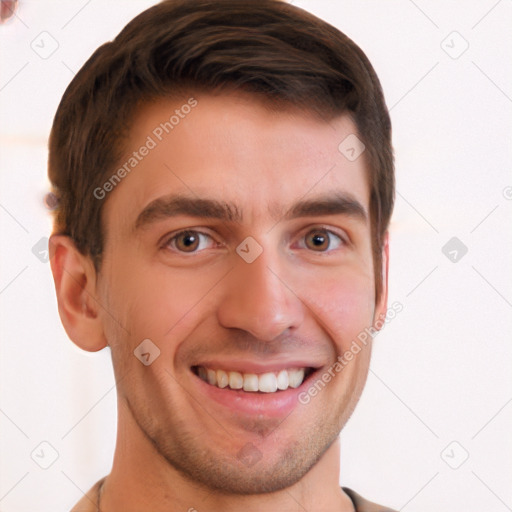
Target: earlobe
{"type": "Point", "coordinates": [75, 285]}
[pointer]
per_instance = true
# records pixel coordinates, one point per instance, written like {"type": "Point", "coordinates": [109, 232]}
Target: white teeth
{"type": "Point", "coordinates": [295, 377]}
{"type": "Point", "coordinates": [250, 382]}
{"type": "Point", "coordinates": [266, 382]}
{"type": "Point", "coordinates": [236, 380]}
{"type": "Point", "coordinates": [282, 380]}
{"type": "Point", "coordinates": [212, 377]}
{"type": "Point", "coordinates": [222, 379]}
{"type": "Point", "coordinates": [201, 371]}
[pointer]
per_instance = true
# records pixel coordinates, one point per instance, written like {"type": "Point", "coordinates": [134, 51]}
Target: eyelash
{"type": "Point", "coordinates": [343, 239]}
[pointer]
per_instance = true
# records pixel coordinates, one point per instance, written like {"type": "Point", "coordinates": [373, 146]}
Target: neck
{"type": "Point", "coordinates": [141, 479]}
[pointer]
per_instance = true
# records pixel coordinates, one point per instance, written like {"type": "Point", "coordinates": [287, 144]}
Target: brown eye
{"type": "Point", "coordinates": [320, 240]}
{"type": "Point", "coordinates": [189, 241]}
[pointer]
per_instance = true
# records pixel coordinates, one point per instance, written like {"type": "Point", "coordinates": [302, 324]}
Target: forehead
{"type": "Point", "coordinates": [234, 149]}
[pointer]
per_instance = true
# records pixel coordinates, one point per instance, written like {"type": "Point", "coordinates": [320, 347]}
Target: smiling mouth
{"type": "Point", "coordinates": [270, 382]}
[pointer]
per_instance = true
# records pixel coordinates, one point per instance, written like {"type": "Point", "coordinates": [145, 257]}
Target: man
{"type": "Point", "coordinates": [224, 177]}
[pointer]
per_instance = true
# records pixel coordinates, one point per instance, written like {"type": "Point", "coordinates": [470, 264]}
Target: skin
{"type": "Point", "coordinates": [177, 449]}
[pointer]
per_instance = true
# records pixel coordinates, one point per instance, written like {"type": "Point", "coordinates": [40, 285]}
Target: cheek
{"type": "Point", "coordinates": [158, 304]}
{"type": "Point", "coordinates": [344, 307]}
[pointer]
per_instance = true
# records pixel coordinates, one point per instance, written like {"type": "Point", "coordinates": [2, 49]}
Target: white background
{"type": "Point", "coordinates": [441, 369]}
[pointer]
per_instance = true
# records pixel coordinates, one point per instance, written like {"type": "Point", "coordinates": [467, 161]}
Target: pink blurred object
{"type": "Point", "coordinates": [7, 9]}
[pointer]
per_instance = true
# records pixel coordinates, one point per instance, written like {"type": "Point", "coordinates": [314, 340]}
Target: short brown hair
{"type": "Point", "coordinates": [266, 47]}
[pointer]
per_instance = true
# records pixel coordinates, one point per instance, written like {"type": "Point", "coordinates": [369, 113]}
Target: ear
{"type": "Point", "coordinates": [75, 285]}
{"type": "Point", "coordinates": [382, 303]}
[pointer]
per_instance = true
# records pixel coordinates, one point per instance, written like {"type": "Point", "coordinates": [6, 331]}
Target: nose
{"type": "Point", "coordinates": [259, 300]}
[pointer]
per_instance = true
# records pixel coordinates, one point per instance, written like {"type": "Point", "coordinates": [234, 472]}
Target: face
{"type": "Point", "coordinates": [239, 244]}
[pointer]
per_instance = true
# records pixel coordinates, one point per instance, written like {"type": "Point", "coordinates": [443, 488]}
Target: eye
{"type": "Point", "coordinates": [322, 240]}
{"type": "Point", "coordinates": [189, 241]}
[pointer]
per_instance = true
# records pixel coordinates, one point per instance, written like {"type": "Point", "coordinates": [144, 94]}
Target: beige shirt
{"type": "Point", "coordinates": [89, 503]}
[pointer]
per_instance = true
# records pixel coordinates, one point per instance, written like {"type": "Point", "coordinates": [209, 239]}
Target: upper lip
{"type": "Point", "coordinates": [257, 367]}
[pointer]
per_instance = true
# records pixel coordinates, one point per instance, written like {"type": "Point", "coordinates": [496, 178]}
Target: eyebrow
{"type": "Point", "coordinates": [174, 205]}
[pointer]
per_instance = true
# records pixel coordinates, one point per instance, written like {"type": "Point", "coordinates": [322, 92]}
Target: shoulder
{"type": "Point", "coordinates": [363, 505]}
{"type": "Point", "coordinates": [89, 501]}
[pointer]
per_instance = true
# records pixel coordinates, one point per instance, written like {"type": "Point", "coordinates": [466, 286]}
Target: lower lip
{"type": "Point", "coordinates": [272, 405]}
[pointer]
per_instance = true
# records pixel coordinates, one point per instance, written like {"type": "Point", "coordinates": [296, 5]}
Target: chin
{"type": "Point", "coordinates": [251, 470]}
